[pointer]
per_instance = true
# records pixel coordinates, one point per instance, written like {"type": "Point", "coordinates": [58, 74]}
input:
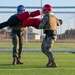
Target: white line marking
{"type": "Point", "coordinates": [41, 69]}
{"type": "Point", "coordinates": [38, 60]}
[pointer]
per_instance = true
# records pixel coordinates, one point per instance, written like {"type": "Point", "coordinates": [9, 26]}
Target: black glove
{"type": "Point", "coordinates": [61, 22]}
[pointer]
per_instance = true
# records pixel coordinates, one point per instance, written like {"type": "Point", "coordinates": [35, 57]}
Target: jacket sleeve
{"type": "Point", "coordinates": [24, 16]}
{"type": "Point", "coordinates": [43, 22]}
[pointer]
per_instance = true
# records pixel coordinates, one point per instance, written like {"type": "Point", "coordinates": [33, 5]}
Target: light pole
{"type": "Point", "coordinates": [26, 34]}
{"type": "Point", "coordinates": [41, 17]}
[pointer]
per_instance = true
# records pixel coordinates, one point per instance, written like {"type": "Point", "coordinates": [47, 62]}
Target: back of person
{"type": "Point", "coordinates": [51, 23]}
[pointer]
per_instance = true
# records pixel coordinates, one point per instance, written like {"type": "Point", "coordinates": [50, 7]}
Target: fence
{"type": "Point", "coordinates": [66, 35]}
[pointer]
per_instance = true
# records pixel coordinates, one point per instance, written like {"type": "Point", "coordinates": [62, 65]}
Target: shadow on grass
{"type": "Point", "coordinates": [5, 65]}
{"type": "Point", "coordinates": [20, 66]}
{"type": "Point", "coordinates": [73, 52]}
{"type": "Point", "coordinates": [35, 66]}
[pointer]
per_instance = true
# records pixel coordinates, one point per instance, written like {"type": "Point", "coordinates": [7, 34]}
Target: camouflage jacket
{"type": "Point", "coordinates": [49, 22]}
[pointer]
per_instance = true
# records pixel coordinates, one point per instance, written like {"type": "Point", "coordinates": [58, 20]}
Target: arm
{"type": "Point", "coordinates": [34, 22]}
{"type": "Point", "coordinates": [59, 22]}
{"type": "Point", "coordinates": [24, 16]}
{"type": "Point", "coordinates": [14, 20]}
{"type": "Point", "coordinates": [43, 22]}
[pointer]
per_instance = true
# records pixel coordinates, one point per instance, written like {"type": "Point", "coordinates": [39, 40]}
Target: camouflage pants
{"type": "Point", "coordinates": [18, 41]}
{"type": "Point", "coordinates": [46, 46]}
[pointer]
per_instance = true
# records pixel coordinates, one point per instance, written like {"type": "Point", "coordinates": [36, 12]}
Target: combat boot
{"type": "Point", "coordinates": [53, 64]}
{"type": "Point", "coordinates": [49, 62]}
{"type": "Point", "coordinates": [18, 61]}
{"type": "Point", "coordinates": [14, 61]}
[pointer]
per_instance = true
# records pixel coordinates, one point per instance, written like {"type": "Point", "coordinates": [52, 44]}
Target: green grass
{"type": "Point", "coordinates": [37, 46]}
{"type": "Point", "coordinates": [34, 64]}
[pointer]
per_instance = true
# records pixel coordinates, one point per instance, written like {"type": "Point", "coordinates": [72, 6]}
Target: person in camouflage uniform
{"type": "Point", "coordinates": [17, 34]}
{"type": "Point", "coordinates": [49, 25]}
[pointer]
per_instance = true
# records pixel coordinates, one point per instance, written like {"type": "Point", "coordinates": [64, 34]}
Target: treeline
{"type": "Point", "coordinates": [69, 34]}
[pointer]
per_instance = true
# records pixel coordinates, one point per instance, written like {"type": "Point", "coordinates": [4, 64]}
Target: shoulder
{"type": "Point", "coordinates": [14, 15]}
{"type": "Point", "coordinates": [50, 14]}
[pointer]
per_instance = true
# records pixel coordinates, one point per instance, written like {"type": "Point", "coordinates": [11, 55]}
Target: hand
{"type": "Point", "coordinates": [61, 22]}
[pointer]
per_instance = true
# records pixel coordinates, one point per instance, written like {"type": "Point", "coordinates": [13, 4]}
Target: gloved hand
{"type": "Point", "coordinates": [61, 22]}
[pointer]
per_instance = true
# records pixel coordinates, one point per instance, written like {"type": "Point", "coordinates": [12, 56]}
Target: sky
{"type": "Point", "coordinates": [67, 18]}
{"type": "Point", "coordinates": [36, 2]}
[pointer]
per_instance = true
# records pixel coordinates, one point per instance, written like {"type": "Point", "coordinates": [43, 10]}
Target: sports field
{"type": "Point", "coordinates": [37, 46]}
{"type": "Point", "coordinates": [34, 64]}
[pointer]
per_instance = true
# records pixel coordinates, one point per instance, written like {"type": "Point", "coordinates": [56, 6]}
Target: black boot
{"type": "Point", "coordinates": [48, 64]}
{"type": "Point", "coordinates": [18, 61]}
{"type": "Point", "coordinates": [14, 61]}
{"type": "Point", "coordinates": [53, 64]}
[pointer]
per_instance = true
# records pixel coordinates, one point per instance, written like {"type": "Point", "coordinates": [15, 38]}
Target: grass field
{"type": "Point", "coordinates": [34, 64]}
{"type": "Point", "coordinates": [37, 46]}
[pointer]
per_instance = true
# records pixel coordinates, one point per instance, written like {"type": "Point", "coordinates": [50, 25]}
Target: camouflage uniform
{"type": "Point", "coordinates": [49, 24]}
{"type": "Point", "coordinates": [17, 34]}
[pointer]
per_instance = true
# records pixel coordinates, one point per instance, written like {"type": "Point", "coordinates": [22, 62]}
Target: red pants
{"type": "Point", "coordinates": [34, 22]}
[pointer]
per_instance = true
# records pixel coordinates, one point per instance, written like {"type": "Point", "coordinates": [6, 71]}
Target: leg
{"type": "Point", "coordinates": [21, 42]}
{"type": "Point", "coordinates": [15, 47]}
{"type": "Point", "coordinates": [46, 48]}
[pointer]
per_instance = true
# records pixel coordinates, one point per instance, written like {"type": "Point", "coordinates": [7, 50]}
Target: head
{"type": "Point", "coordinates": [47, 8]}
{"type": "Point", "coordinates": [20, 9]}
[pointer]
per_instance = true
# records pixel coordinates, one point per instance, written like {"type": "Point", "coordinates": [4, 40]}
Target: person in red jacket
{"type": "Point", "coordinates": [14, 20]}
